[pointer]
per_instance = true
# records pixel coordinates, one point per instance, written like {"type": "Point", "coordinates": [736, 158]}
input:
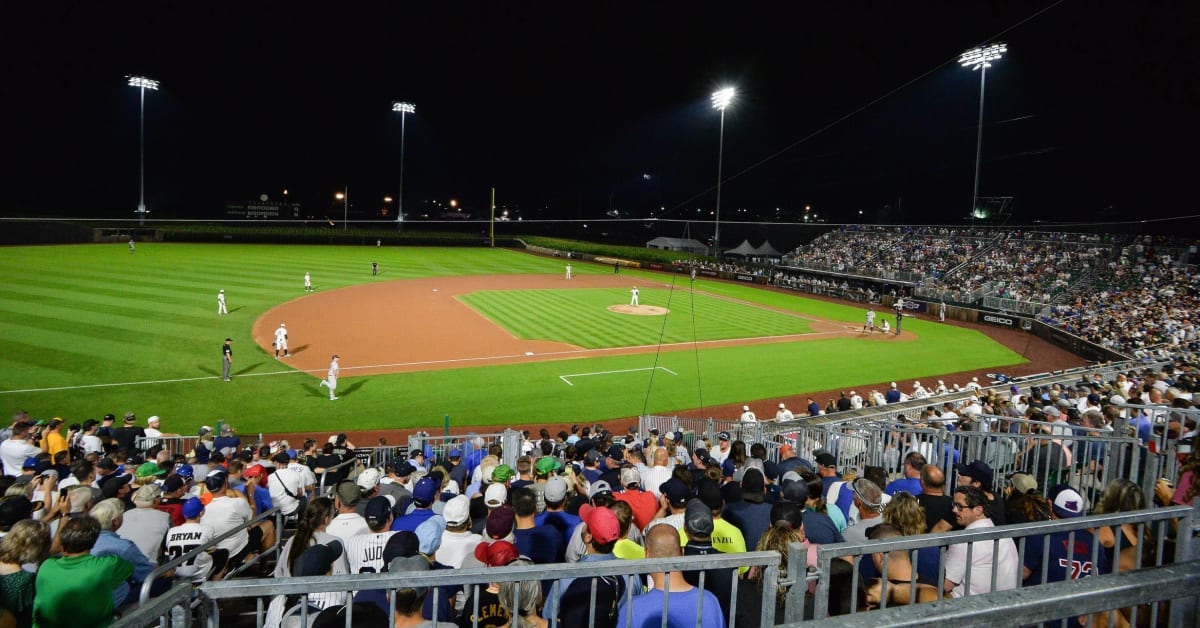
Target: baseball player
{"type": "Point", "coordinates": [131, 246]}
{"type": "Point", "coordinates": [869, 326]}
{"type": "Point", "coordinates": [633, 300]}
{"type": "Point", "coordinates": [942, 312]}
{"type": "Point", "coordinates": [226, 359]}
{"type": "Point", "coordinates": [374, 268]}
{"type": "Point", "coordinates": [330, 380]}
{"type": "Point", "coordinates": [887, 328]}
{"type": "Point", "coordinates": [568, 271]}
{"type": "Point", "coordinates": [307, 282]}
{"type": "Point", "coordinates": [281, 341]}
{"type": "Point", "coordinates": [221, 309]}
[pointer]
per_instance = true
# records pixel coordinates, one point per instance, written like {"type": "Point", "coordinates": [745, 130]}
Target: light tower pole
{"type": "Point", "coordinates": [980, 59]}
{"type": "Point", "coordinates": [403, 108]}
{"type": "Point", "coordinates": [720, 100]}
{"type": "Point", "coordinates": [143, 84]}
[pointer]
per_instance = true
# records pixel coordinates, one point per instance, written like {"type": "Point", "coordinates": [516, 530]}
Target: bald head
{"type": "Point", "coordinates": [660, 457]}
{"type": "Point", "coordinates": [933, 479]}
{"type": "Point", "coordinates": [662, 541]}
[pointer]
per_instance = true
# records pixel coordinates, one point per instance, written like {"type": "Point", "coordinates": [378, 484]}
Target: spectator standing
{"type": "Point", "coordinates": [914, 462]}
{"type": "Point", "coordinates": [16, 449]}
{"type": "Point", "coordinates": [685, 604]}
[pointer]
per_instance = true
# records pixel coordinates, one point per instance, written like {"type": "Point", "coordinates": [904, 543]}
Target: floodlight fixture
{"type": "Point", "coordinates": [722, 97]}
{"type": "Point", "coordinates": [720, 100]}
{"type": "Point", "coordinates": [402, 108]}
{"type": "Point", "coordinates": [143, 84]}
{"type": "Point", "coordinates": [980, 59]}
{"type": "Point", "coordinates": [983, 56]}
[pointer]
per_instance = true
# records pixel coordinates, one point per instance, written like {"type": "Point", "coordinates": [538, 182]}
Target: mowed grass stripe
{"type": "Point", "coordinates": [581, 317]}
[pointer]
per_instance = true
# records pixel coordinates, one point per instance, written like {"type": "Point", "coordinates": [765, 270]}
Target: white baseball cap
{"type": "Point", "coordinates": [781, 406]}
{"type": "Point", "coordinates": [369, 479]}
{"type": "Point", "coordinates": [495, 495]}
{"type": "Point", "coordinates": [745, 408]}
{"type": "Point", "coordinates": [152, 420]}
{"type": "Point", "coordinates": [457, 511]}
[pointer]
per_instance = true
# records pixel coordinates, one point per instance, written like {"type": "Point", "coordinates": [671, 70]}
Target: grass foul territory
{"type": "Point", "coordinates": [92, 329]}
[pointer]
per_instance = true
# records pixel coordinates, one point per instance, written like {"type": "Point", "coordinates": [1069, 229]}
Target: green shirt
{"type": "Point", "coordinates": [77, 590]}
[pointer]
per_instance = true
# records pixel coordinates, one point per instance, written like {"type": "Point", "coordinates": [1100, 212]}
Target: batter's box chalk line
{"type": "Point", "coordinates": [567, 378]}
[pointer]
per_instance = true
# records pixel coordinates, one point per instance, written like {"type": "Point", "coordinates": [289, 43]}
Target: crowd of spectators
{"type": "Point", "coordinates": [83, 552]}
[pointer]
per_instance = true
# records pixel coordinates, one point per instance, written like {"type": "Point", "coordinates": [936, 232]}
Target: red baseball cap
{"type": "Point", "coordinates": [253, 471]}
{"type": "Point", "coordinates": [601, 522]}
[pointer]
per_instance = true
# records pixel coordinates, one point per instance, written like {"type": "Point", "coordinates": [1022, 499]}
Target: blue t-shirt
{"type": "Point", "coordinates": [1062, 565]}
{"type": "Point", "coordinates": [681, 610]}
{"type": "Point", "coordinates": [262, 498]}
{"type": "Point", "coordinates": [412, 520]}
{"type": "Point", "coordinates": [912, 485]}
{"type": "Point", "coordinates": [541, 544]}
{"type": "Point", "coordinates": [820, 529]}
{"type": "Point", "coordinates": [845, 498]}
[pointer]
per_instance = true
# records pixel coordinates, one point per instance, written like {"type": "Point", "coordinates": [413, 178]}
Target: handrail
{"type": "Point", "coordinates": [172, 564]}
{"type": "Point", "coordinates": [321, 487]}
{"type": "Point", "coordinates": [262, 587]}
{"type": "Point", "coordinates": [828, 553]}
{"type": "Point", "coordinates": [1033, 605]}
{"type": "Point", "coordinates": [151, 612]}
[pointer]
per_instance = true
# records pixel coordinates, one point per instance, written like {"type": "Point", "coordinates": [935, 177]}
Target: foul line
{"type": "Point", "coordinates": [514, 356]}
{"type": "Point", "coordinates": [649, 368]}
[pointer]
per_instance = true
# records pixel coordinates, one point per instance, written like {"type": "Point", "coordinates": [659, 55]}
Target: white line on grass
{"type": "Point", "coordinates": [418, 363]}
{"type": "Point", "coordinates": [648, 368]}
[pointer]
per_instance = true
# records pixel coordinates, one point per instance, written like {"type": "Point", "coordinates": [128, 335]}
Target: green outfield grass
{"type": "Point", "coordinates": [581, 317]}
{"type": "Point", "coordinates": [93, 329]}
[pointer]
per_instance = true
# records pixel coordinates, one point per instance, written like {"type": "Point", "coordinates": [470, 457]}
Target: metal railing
{"type": "Point", "coordinates": [1156, 517]}
{"type": "Point", "coordinates": [170, 608]}
{"type": "Point", "coordinates": [1016, 306]}
{"type": "Point", "coordinates": [170, 565]}
{"type": "Point", "coordinates": [1033, 605]}
{"type": "Point", "coordinates": [211, 593]}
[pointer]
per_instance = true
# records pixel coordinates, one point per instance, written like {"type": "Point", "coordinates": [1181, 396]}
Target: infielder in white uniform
{"type": "Point", "coordinates": [568, 271]}
{"type": "Point", "coordinates": [307, 283]}
{"type": "Point", "coordinates": [633, 300]}
{"type": "Point", "coordinates": [281, 341]}
{"type": "Point", "coordinates": [330, 380]}
{"type": "Point", "coordinates": [221, 309]}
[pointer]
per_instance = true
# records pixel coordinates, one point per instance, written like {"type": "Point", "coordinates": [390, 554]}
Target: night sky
{"type": "Point", "coordinates": [570, 109]}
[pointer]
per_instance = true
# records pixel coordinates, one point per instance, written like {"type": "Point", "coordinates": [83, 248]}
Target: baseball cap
{"type": "Point", "coordinates": [111, 485]}
{"type": "Point", "coordinates": [369, 479]}
{"type": "Point", "coordinates": [723, 436]}
{"type": "Point", "coordinates": [601, 522]}
{"type": "Point", "coordinates": [204, 429]}
{"type": "Point", "coordinates": [425, 491]}
{"type": "Point", "coordinates": [254, 471]}
{"type": "Point", "coordinates": [495, 496]}
{"type": "Point", "coordinates": [402, 543]}
{"type": "Point", "coordinates": [317, 560]}
{"type": "Point", "coordinates": [786, 450]}
{"type": "Point", "coordinates": [599, 487]}
{"type": "Point", "coordinates": [1067, 501]}
{"type": "Point", "coordinates": [977, 470]}
{"type": "Point", "coordinates": [1116, 400]}
{"type": "Point", "coordinates": [502, 473]}
{"type": "Point", "coordinates": [186, 471]}
{"type": "Point", "coordinates": [192, 508]}
{"type": "Point", "coordinates": [377, 511]}
{"type": "Point", "coordinates": [408, 564]}
{"type": "Point", "coordinates": [710, 493]}
{"type": "Point", "coordinates": [429, 535]}
{"type": "Point", "coordinates": [15, 508]}
{"type": "Point", "coordinates": [454, 453]}
{"type": "Point", "coordinates": [669, 436]}
{"type": "Point", "coordinates": [1022, 482]}
{"type": "Point", "coordinates": [450, 489]}
{"type": "Point", "coordinates": [753, 485]}
{"type": "Point", "coordinates": [152, 420]}
{"type": "Point", "coordinates": [826, 459]}
{"type": "Point", "coordinates": [592, 455]}
{"type": "Point", "coordinates": [172, 484]}
{"type": "Point", "coordinates": [149, 469]}
{"type": "Point", "coordinates": [698, 519]}
{"type": "Point", "coordinates": [546, 465]}
{"type": "Point", "coordinates": [106, 463]}
{"type": "Point", "coordinates": [30, 463]}
{"type": "Point", "coordinates": [457, 510]}
{"type": "Point", "coordinates": [676, 492]}
{"type": "Point", "coordinates": [215, 480]}
{"type": "Point", "coordinates": [496, 554]}
{"type": "Point", "coordinates": [556, 489]}
{"type": "Point", "coordinates": [500, 522]}
{"type": "Point", "coordinates": [616, 452]}
{"type": "Point", "coordinates": [130, 417]}
{"type": "Point", "coordinates": [403, 468]}
{"type": "Point", "coordinates": [795, 491]}
{"type": "Point", "coordinates": [349, 494]}
{"type": "Point", "coordinates": [745, 408]}
{"type": "Point", "coordinates": [630, 477]}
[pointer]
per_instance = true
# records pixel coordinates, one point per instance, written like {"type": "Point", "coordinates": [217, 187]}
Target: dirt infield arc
{"type": "Point", "coordinates": [420, 325]}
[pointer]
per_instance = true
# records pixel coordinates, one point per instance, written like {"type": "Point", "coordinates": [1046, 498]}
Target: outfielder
{"type": "Point", "coordinates": [568, 271]}
{"type": "Point", "coordinates": [633, 300]}
{"type": "Point", "coordinates": [221, 309]}
{"type": "Point", "coordinates": [942, 312]}
{"type": "Point", "coordinates": [330, 380]}
{"type": "Point", "coordinates": [307, 282]}
{"type": "Point", "coordinates": [281, 338]}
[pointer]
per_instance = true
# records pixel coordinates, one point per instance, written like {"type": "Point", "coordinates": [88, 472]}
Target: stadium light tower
{"type": "Point", "coordinates": [720, 100]}
{"type": "Point", "coordinates": [403, 108]}
{"type": "Point", "coordinates": [980, 59]}
{"type": "Point", "coordinates": [143, 84]}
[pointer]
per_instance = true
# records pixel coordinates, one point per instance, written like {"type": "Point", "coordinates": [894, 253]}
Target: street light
{"type": "Point", "coordinates": [143, 84]}
{"type": "Point", "coordinates": [403, 108]}
{"type": "Point", "coordinates": [720, 100]}
{"type": "Point", "coordinates": [980, 59]}
{"type": "Point", "coordinates": [344, 196]}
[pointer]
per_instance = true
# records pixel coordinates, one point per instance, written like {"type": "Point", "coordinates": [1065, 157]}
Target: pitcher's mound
{"type": "Point", "coordinates": [638, 310]}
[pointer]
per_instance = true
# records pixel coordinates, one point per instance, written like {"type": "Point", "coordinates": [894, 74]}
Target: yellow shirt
{"type": "Point", "coordinates": [726, 538]}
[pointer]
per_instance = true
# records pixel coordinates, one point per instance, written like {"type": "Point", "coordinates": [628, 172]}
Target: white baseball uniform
{"type": "Point", "coordinates": [221, 303]}
{"type": "Point", "coordinates": [281, 341]}
{"type": "Point", "coordinates": [568, 271]}
{"type": "Point", "coordinates": [307, 283]}
{"type": "Point", "coordinates": [633, 297]}
{"type": "Point", "coordinates": [330, 380]}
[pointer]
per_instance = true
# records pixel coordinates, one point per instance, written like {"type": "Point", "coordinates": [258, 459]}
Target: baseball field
{"type": "Point", "coordinates": [484, 336]}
